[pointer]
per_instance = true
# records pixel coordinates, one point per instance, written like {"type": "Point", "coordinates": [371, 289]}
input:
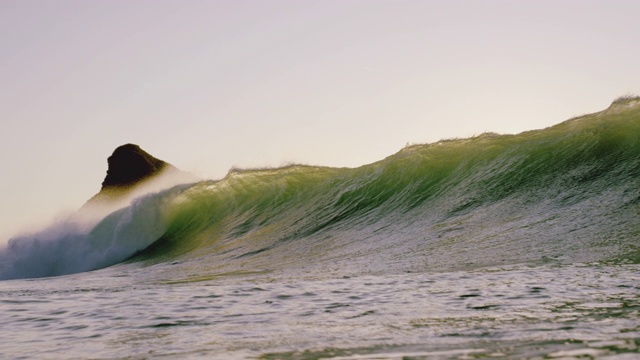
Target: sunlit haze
{"type": "Point", "coordinates": [210, 85]}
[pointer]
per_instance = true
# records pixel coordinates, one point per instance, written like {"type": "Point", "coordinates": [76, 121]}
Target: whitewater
{"type": "Point", "coordinates": [516, 246]}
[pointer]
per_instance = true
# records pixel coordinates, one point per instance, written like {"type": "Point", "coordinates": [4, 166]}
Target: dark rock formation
{"type": "Point", "coordinates": [129, 166]}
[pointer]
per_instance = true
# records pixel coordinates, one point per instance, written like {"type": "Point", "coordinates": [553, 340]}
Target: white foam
{"type": "Point", "coordinates": [86, 241]}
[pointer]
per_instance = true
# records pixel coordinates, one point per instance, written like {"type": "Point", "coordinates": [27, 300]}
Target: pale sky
{"type": "Point", "coordinates": [207, 85]}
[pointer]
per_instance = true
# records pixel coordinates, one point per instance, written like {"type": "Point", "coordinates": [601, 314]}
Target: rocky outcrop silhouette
{"type": "Point", "coordinates": [128, 167]}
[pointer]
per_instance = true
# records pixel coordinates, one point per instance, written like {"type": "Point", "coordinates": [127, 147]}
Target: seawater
{"type": "Point", "coordinates": [133, 312]}
{"type": "Point", "coordinates": [517, 246]}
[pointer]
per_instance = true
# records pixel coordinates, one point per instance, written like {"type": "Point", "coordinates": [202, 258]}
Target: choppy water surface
{"type": "Point", "coordinates": [590, 311]}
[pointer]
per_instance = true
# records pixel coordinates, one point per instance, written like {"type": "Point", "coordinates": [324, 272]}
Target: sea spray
{"type": "Point", "coordinates": [79, 243]}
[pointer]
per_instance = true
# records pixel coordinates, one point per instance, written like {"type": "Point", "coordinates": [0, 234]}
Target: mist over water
{"type": "Point", "coordinates": [100, 234]}
{"type": "Point", "coordinates": [499, 245]}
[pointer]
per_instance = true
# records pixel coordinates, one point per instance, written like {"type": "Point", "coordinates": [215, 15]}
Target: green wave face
{"type": "Point", "coordinates": [569, 193]}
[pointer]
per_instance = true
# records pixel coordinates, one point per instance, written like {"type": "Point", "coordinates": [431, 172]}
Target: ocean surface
{"type": "Point", "coordinates": [497, 246]}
